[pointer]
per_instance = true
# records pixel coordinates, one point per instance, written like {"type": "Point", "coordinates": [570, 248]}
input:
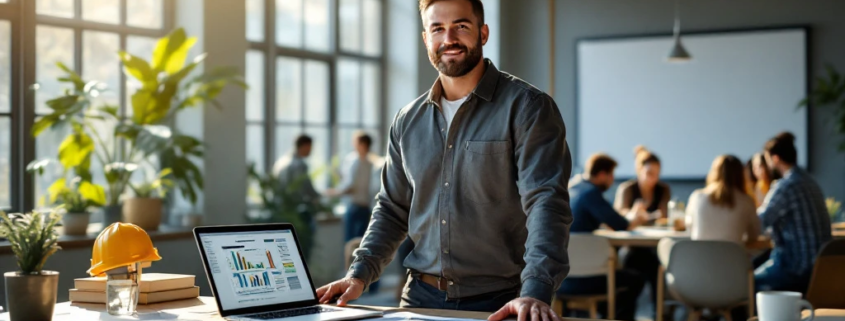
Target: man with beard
{"type": "Point", "coordinates": [795, 211]}
{"type": "Point", "coordinates": [590, 210]}
{"type": "Point", "coordinates": [475, 174]}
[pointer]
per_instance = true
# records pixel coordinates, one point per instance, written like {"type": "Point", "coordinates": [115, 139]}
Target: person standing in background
{"type": "Point", "coordinates": [723, 211]}
{"type": "Point", "coordinates": [796, 212]}
{"type": "Point", "coordinates": [646, 188]}
{"type": "Point", "coordinates": [293, 176]}
{"type": "Point", "coordinates": [358, 186]}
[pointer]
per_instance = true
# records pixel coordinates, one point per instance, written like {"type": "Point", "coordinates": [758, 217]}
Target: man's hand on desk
{"type": "Point", "coordinates": [526, 309]}
{"type": "Point", "coordinates": [348, 289]}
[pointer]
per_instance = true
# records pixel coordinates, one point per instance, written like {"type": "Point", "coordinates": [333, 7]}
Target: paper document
{"type": "Point", "coordinates": [410, 316]}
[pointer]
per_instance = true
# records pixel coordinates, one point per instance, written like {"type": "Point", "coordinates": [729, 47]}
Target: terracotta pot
{"type": "Point", "coordinates": [31, 296]}
{"type": "Point", "coordinates": [144, 212]}
{"type": "Point", "coordinates": [76, 223]}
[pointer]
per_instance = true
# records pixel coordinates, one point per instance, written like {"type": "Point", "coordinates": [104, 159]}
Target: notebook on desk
{"type": "Point", "coordinates": [257, 272]}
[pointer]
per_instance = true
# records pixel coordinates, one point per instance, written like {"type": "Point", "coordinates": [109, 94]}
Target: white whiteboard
{"type": "Point", "coordinates": [739, 90]}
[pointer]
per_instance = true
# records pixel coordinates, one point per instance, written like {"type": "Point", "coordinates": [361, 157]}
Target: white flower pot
{"type": "Point", "coordinates": [76, 223]}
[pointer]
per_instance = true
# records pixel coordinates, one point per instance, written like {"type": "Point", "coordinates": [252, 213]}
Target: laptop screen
{"type": "Point", "coordinates": [256, 268]}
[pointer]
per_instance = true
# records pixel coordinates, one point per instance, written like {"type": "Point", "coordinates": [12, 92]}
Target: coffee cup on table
{"type": "Point", "coordinates": [781, 306]}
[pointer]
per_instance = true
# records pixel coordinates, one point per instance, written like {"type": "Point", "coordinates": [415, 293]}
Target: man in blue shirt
{"type": "Point", "coordinates": [589, 211]}
{"type": "Point", "coordinates": [795, 211]}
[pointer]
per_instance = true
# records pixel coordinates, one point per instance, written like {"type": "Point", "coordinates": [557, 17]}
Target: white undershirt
{"type": "Point", "coordinates": [450, 108]}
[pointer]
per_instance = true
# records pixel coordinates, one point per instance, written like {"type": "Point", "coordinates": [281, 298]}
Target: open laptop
{"type": "Point", "coordinates": [257, 272]}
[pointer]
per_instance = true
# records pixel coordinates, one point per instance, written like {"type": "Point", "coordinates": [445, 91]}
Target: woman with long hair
{"type": "Point", "coordinates": [646, 192]}
{"type": "Point", "coordinates": [764, 177]}
{"type": "Point", "coordinates": [723, 211]}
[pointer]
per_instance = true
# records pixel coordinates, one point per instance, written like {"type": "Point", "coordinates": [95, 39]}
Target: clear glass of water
{"type": "Point", "coordinates": [122, 290]}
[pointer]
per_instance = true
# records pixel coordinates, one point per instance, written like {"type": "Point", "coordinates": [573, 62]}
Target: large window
{"type": "Point", "coordinates": [84, 35]}
{"type": "Point", "coordinates": [314, 67]}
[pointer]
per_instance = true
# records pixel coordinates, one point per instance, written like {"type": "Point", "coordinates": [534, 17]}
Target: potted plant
{"type": "Point", "coordinates": [168, 86]}
{"type": "Point", "coordinates": [31, 291]}
{"type": "Point", "coordinates": [145, 208]}
{"type": "Point", "coordinates": [75, 206]}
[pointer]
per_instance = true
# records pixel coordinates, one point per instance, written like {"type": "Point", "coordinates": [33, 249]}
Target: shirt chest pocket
{"type": "Point", "coordinates": [487, 171]}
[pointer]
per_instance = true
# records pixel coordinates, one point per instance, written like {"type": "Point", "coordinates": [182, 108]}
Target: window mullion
{"type": "Point", "coordinates": [269, 85]}
{"type": "Point", "coordinates": [26, 38]}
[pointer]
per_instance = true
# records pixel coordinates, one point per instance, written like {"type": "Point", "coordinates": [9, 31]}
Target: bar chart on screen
{"type": "Point", "coordinates": [250, 283]}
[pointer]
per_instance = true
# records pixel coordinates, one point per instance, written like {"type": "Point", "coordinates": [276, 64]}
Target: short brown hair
{"type": "Point", "coordinates": [477, 8]}
{"type": "Point", "coordinates": [783, 145]}
{"type": "Point", "coordinates": [598, 163]}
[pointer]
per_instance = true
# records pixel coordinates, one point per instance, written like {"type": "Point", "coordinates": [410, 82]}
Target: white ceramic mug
{"type": "Point", "coordinates": [781, 306]}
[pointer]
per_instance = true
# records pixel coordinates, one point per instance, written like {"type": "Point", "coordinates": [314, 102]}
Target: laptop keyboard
{"type": "Point", "coordinates": [291, 313]}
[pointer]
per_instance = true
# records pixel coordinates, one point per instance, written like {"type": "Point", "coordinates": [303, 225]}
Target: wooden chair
{"type": "Point", "coordinates": [705, 274]}
{"type": "Point", "coordinates": [586, 259]}
{"type": "Point", "coordinates": [827, 285]}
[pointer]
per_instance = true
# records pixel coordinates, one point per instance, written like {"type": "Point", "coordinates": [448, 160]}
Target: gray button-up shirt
{"type": "Point", "coordinates": [487, 205]}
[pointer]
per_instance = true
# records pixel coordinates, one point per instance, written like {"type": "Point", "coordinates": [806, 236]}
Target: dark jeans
{"type": "Point", "coordinates": [772, 277]}
{"type": "Point", "coordinates": [644, 261]}
{"type": "Point", "coordinates": [418, 294]}
{"type": "Point", "coordinates": [626, 300]}
{"type": "Point", "coordinates": [355, 223]}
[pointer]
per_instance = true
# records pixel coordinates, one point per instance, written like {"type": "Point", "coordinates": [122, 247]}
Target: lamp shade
{"type": "Point", "coordinates": [678, 52]}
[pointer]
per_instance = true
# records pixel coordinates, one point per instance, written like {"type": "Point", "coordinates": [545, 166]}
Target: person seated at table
{"type": "Point", "coordinates": [648, 190]}
{"type": "Point", "coordinates": [646, 187]}
{"type": "Point", "coordinates": [796, 212]}
{"type": "Point", "coordinates": [750, 179]}
{"type": "Point", "coordinates": [589, 211]}
{"type": "Point", "coordinates": [763, 178]}
{"type": "Point", "coordinates": [723, 211]}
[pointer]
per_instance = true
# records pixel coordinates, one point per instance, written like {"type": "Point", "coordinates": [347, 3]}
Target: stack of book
{"type": "Point", "coordinates": [153, 288]}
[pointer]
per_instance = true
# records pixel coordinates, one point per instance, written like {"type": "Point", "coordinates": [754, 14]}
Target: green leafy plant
{"type": "Point", "coordinates": [168, 86]}
{"type": "Point", "coordinates": [829, 92]}
{"type": "Point", "coordinates": [157, 187]}
{"type": "Point", "coordinates": [33, 238]}
{"type": "Point", "coordinates": [77, 197]}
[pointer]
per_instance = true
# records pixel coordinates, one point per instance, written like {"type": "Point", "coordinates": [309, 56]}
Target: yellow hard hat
{"type": "Point", "coordinates": [121, 244]}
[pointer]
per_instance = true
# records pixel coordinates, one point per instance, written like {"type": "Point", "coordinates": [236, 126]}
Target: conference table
{"type": "Point", "coordinates": [649, 236]}
{"type": "Point", "coordinates": [205, 309]}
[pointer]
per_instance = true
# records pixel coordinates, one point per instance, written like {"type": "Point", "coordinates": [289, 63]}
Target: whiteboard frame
{"type": "Point", "coordinates": [806, 29]}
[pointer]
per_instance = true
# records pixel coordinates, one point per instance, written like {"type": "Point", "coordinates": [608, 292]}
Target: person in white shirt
{"type": "Point", "coordinates": [723, 211]}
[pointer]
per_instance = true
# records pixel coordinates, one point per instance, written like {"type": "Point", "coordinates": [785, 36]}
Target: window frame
{"type": "Point", "coordinates": [7, 13]}
{"type": "Point", "coordinates": [25, 21]}
{"type": "Point", "coordinates": [271, 50]}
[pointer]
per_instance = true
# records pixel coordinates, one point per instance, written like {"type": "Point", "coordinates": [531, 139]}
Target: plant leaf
{"type": "Point", "coordinates": [63, 103]}
{"type": "Point", "coordinates": [93, 193]}
{"type": "Point", "coordinates": [138, 68]}
{"type": "Point", "coordinates": [74, 149]}
{"type": "Point", "coordinates": [77, 81]}
{"type": "Point", "coordinates": [56, 189]}
{"type": "Point", "coordinates": [165, 47]}
{"type": "Point", "coordinates": [44, 123]}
